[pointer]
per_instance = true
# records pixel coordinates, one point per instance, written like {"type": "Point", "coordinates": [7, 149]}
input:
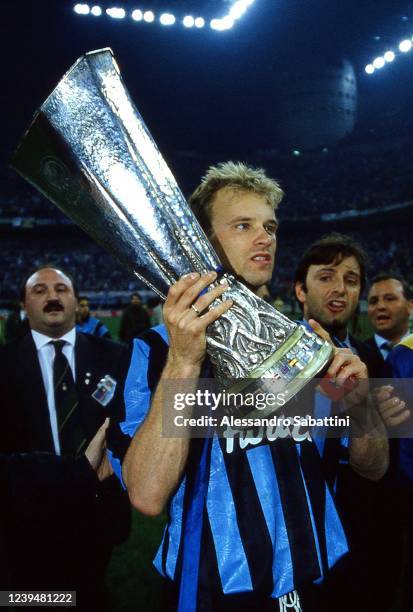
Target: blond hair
{"type": "Point", "coordinates": [236, 176]}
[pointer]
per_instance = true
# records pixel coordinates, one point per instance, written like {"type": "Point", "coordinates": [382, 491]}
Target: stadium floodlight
{"type": "Point", "coordinates": [238, 9]}
{"type": "Point", "coordinates": [167, 19]}
{"type": "Point", "coordinates": [223, 24]}
{"type": "Point", "coordinates": [405, 45]}
{"type": "Point", "coordinates": [216, 24]}
{"type": "Point", "coordinates": [369, 69]}
{"type": "Point", "coordinates": [116, 13]}
{"type": "Point", "coordinates": [137, 15]}
{"type": "Point", "coordinates": [188, 21]}
{"type": "Point", "coordinates": [389, 56]}
{"type": "Point", "coordinates": [148, 16]}
{"type": "Point", "coordinates": [379, 62]}
{"type": "Point", "coordinates": [228, 22]}
{"type": "Point", "coordinates": [81, 9]}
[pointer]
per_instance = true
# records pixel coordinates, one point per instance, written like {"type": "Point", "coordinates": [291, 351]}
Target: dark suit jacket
{"type": "Point", "coordinates": [372, 343]}
{"type": "Point", "coordinates": [99, 512]}
{"type": "Point", "coordinates": [371, 357]}
{"type": "Point", "coordinates": [368, 512]}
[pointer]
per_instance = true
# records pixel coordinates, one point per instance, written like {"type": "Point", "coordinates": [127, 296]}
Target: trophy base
{"type": "Point", "coordinates": [302, 357]}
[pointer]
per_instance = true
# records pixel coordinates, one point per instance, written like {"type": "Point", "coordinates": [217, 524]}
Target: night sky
{"type": "Point", "coordinates": [201, 90]}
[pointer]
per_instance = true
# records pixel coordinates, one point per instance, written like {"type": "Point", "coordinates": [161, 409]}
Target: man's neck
{"type": "Point", "coordinates": [340, 333]}
{"type": "Point", "coordinates": [392, 336]}
{"type": "Point", "coordinates": [54, 333]}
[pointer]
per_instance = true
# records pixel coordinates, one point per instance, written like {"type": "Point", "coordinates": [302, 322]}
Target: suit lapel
{"type": "Point", "coordinates": [35, 407]}
{"type": "Point", "coordinates": [87, 361]}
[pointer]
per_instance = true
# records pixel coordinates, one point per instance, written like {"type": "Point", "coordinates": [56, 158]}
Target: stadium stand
{"type": "Point", "coordinates": [359, 189]}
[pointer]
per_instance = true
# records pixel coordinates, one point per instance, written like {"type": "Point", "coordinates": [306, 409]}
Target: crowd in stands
{"type": "Point", "coordinates": [389, 249]}
{"type": "Point", "coordinates": [18, 200]}
{"type": "Point", "coordinates": [347, 177]}
{"type": "Point", "coordinates": [93, 268]}
{"type": "Point", "coordinates": [342, 178]}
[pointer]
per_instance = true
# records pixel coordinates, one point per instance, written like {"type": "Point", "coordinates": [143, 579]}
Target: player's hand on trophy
{"type": "Point", "coordinates": [346, 372]}
{"type": "Point", "coordinates": [391, 408]}
{"type": "Point", "coordinates": [187, 315]}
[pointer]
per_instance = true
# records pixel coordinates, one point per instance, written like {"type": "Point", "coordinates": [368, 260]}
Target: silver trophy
{"type": "Point", "coordinates": [89, 151]}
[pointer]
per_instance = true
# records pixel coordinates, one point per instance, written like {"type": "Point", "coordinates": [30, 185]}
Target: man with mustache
{"type": "Point", "coordinates": [54, 401]}
{"type": "Point", "coordinates": [329, 280]}
{"type": "Point", "coordinates": [249, 526]}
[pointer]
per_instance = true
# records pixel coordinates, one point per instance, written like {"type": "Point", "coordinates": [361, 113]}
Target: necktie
{"type": "Point", "coordinates": [386, 347]}
{"type": "Point", "coordinates": [71, 434]}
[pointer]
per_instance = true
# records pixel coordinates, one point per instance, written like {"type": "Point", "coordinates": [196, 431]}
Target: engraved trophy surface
{"type": "Point", "coordinates": [89, 151]}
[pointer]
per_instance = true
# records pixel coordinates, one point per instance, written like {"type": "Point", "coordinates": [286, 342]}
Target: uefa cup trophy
{"type": "Point", "coordinates": [89, 151]}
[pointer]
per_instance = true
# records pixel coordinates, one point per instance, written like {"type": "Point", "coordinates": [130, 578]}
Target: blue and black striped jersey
{"type": "Point", "coordinates": [269, 522]}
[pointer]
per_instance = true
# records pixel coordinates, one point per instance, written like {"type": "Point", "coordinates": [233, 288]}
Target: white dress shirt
{"type": "Point", "coordinates": [46, 355]}
{"type": "Point", "coordinates": [382, 344]}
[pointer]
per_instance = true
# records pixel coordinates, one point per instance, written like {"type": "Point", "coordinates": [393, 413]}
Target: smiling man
{"type": "Point", "coordinates": [241, 534]}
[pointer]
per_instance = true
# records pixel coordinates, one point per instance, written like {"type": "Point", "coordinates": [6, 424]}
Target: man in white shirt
{"type": "Point", "coordinates": [54, 401]}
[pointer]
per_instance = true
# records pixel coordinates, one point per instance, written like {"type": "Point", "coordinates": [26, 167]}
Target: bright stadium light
{"type": "Point", "coordinates": [405, 45]}
{"type": "Point", "coordinates": [237, 8]}
{"type": "Point", "coordinates": [216, 25]}
{"type": "Point", "coordinates": [369, 69]}
{"type": "Point", "coordinates": [379, 62]}
{"type": "Point", "coordinates": [389, 56]}
{"type": "Point", "coordinates": [148, 16]}
{"type": "Point", "coordinates": [116, 13]}
{"type": "Point", "coordinates": [228, 22]}
{"type": "Point", "coordinates": [81, 9]}
{"type": "Point", "coordinates": [167, 19]}
{"type": "Point", "coordinates": [188, 21]}
{"type": "Point", "coordinates": [137, 15]}
{"type": "Point", "coordinates": [222, 24]}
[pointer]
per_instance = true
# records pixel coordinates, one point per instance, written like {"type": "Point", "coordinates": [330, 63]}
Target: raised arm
{"type": "Point", "coordinates": [153, 464]}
